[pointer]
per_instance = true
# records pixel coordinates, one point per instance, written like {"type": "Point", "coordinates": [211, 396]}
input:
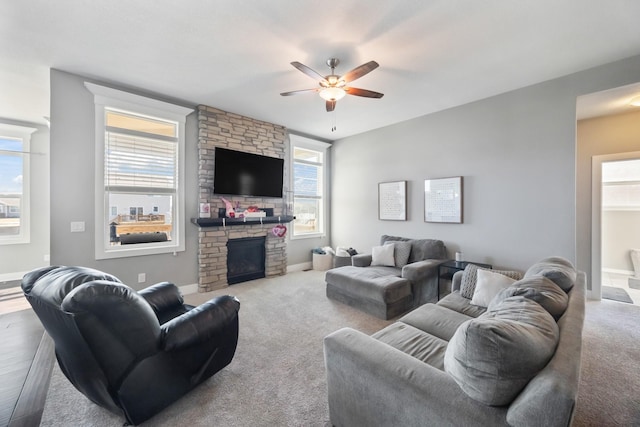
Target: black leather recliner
{"type": "Point", "coordinates": [133, 353]}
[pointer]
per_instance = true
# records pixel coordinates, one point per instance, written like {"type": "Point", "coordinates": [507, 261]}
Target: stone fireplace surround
{"type": "Point", "coordinates": [219, 128]}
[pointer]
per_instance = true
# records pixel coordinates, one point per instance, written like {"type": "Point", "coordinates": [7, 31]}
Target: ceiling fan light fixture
{"type": "Point", "coordinates": [332, 93]}
{"type": "Point", "coordinates": [635, 101]}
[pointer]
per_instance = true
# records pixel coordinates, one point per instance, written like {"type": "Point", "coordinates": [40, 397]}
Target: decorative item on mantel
{"type": "Point", "coordinates": [250, 212]}
{"type": "Point", "coordinates": [229, 212]}
{"type": "Point", "coordinates": [205, 210]}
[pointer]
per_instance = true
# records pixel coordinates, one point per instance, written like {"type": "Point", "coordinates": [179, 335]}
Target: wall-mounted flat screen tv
{"type": "Point", "coordinates": [246, 174]}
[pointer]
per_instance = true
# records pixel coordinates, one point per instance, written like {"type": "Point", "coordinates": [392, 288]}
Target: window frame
{"type": "Point", "coordinates": [323, 147]}
{"type": "Point", "coordinates": [108, 98]}
{"type": "Point", "coordinates": [22, 133]}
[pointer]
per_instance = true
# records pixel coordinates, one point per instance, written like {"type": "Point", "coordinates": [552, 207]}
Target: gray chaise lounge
{"type": "Point", "coordinates": [388, 291]}
{"type": "Point", "coordinates": [413, 372]}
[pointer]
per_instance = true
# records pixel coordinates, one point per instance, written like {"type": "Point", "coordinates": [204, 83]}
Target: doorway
{"type": "Point", "coordinates": [616, 227]}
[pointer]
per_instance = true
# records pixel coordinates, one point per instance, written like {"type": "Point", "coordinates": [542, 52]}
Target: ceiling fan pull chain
{"type": "Point", "coordinates": [333, 128]}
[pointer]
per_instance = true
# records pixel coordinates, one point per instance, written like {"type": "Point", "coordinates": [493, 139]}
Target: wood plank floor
{"type": "Point", "coordinates": [26, 361]}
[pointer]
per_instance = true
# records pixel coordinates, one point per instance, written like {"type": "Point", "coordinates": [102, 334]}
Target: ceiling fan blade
{"type": "Point", "coordinates": [360, 71]}
{"type": "Point", "coordinates": [363, 92]}
{"type": "Point", "coordinates": [308, 71]}
{"type": "Point", "coordinates": [297, 92]}
{"type": "Point", "coordinates": [331, 105]}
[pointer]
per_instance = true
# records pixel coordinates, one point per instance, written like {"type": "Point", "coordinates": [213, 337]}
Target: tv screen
{"type": "Point", "coordinates": [247, 174]}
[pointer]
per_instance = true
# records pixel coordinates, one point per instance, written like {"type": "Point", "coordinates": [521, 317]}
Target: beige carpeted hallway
{"type": "Point", "coordinates": [277, 376]}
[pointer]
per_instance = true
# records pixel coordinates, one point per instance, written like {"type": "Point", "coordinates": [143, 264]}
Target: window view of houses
{"type": "Point", "coordinates": [11, 167]}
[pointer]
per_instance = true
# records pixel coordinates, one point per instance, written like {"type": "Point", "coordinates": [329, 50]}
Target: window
{"type": "Point", "coordinates": [309, 186]}
{"type": "Point", "coordinates": [621, 185]}
{"type": "Point", "coordinates": [139, 174]}
{"type": "Point", "coordinates": [14, 183]}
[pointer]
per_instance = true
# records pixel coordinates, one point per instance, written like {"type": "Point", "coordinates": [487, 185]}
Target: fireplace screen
{"type": "Point", "coordinates": [245, 259]}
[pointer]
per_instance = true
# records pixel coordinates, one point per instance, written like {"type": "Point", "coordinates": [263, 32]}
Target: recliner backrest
{"type": "Point", "coordinates": [117, 323]}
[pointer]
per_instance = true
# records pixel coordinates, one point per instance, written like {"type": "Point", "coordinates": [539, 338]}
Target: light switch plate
{"type": "Point", "coordinates": [77, 226]}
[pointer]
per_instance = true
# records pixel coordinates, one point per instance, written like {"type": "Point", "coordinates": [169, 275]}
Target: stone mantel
{"type": "Point", "coordinates": [222, 222]}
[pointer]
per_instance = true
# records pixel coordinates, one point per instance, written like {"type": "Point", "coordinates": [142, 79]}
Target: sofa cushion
{"type": "Point", "coordinates": [421, 249]}
{"type": "Point", "coordinates": [377, 283]}
{"type": "Point", "coordinates": [493, 357]}
{"type": "Point", "coordinates": [436, 320]}
{"type": "Point", "coordinates": [488, 285]}
{"type": "Point", "coordinates": [558, 269]}
{"type": "Point", "coordinates": [414, 342]}
{"type": "Point", "coordinates": [539, 289]}
{"type": "Point", "coordinates": [470, 276]}
{"type": "Point", "coordinates": [401, 252]}
{"type": "Point", "coordinates": [456, 302]}
{"type": "Point", "coordinates": [383, 255]}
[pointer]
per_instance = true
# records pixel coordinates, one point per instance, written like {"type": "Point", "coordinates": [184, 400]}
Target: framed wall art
{"type": "Point", "coordinates": [443, 200]}
{"type": "Point", "coordinates": [392, 201]}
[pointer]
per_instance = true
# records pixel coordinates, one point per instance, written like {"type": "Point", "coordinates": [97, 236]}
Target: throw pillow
{"type": "Point", "coordinates": [488, 285]}
{"type": "Point", "coordinates": [402, 250]}
{"type": "Point", "coordinates": [470, 276]}
{"type": "Point", "coordinates": [383, 255]}
{"type": "Point", "coordinates": [493, 357]}
{"type": "Point", "coordinates": [558, 269]}
{"type": "Point", "coordinates": [539, 289]}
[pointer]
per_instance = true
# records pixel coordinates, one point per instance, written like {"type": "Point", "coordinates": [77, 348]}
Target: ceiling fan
{"type": "Point", "coordinates": [333, 87]}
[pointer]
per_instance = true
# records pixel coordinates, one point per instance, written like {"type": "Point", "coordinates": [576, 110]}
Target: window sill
{"type": "Point", "coordinates": [139, 250]}
{"type": "Point", "coordinates": [308, 236]}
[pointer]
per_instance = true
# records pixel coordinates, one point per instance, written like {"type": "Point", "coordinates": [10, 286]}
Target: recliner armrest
{"type": "Point", "coordinates": [199, 324]}
{"type": "Point", "coordinates": [361, 260]}
{"type": "Point", "coordinates": [162, 296]}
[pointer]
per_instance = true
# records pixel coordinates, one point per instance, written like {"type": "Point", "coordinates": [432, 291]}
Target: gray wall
{"type": "Point", "coordinates": [602, 136]}
{"type": "Point", "coordinates": [72, 190]}
{"type": "Point", "coordinates": [517, 153]}
{"type": "Point", "coordinates": [18, 259]}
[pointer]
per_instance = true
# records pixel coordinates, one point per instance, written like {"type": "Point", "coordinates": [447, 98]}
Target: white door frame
{"type": "Point", "coordinates": [596, 218]}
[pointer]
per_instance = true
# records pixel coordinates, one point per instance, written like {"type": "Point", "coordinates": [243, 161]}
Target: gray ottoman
{"type": "Point", "coordinates": [372, 290]}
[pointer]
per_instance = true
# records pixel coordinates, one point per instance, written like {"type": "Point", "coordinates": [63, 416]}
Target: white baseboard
{"type": "Point", "coordinates": [299, 267]}
{"type": "Point", "coordinates": [616, 271]}
{"type": "Point", "coordinates": [7, 277]}
{"type": "Point", "coordinates": [189, 289]}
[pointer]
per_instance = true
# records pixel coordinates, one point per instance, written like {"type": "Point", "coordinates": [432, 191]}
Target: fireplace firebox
{"type": "Point", "coordinates": [245, 259]}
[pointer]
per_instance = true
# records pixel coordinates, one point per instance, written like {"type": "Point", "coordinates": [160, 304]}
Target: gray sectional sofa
{"type": "Point", "coordinates": [516, 362]}
{"type": "Point", "coordinates": [391, 288]}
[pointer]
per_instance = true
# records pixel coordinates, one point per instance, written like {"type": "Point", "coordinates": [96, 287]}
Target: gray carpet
{"type": "Point", "coordinates": [277, 377]}
{"type": "Point", "coordinates": [609, 393]}
{"type": "Point", "coordinates": [616, 294]}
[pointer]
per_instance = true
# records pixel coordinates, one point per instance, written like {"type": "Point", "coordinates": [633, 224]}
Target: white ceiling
{"type": "Point", "coordinates": [235, 55]}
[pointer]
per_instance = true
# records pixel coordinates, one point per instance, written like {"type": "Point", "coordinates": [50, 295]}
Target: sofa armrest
{"type": "Point", "coordinates": [162, 296]}
{"type": "Point", "coordinates": [417, 271]}
{"type": "Point", "coordinates": [456, 281]}
{"type": "Point", "coordinates": [361, 260]}
{"type": "Point", "coordinates": [200, 324]}
{"type": "Point", "coordinates": [372, 383]}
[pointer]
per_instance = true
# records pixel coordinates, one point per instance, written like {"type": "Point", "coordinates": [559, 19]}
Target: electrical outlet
{"type": "Point", "coordinates": [142, 277]}
{"type": "Point", "coordinates": [47, 258]}
{"type": "Point", "coordinates": [77, 226]}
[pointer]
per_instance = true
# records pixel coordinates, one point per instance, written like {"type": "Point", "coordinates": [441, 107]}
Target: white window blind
{"type": "Point", "coordinates": [138, 164]}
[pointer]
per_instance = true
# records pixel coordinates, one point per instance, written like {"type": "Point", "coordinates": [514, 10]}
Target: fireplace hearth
{"type": "Point", "coordinates": [245, 259]}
